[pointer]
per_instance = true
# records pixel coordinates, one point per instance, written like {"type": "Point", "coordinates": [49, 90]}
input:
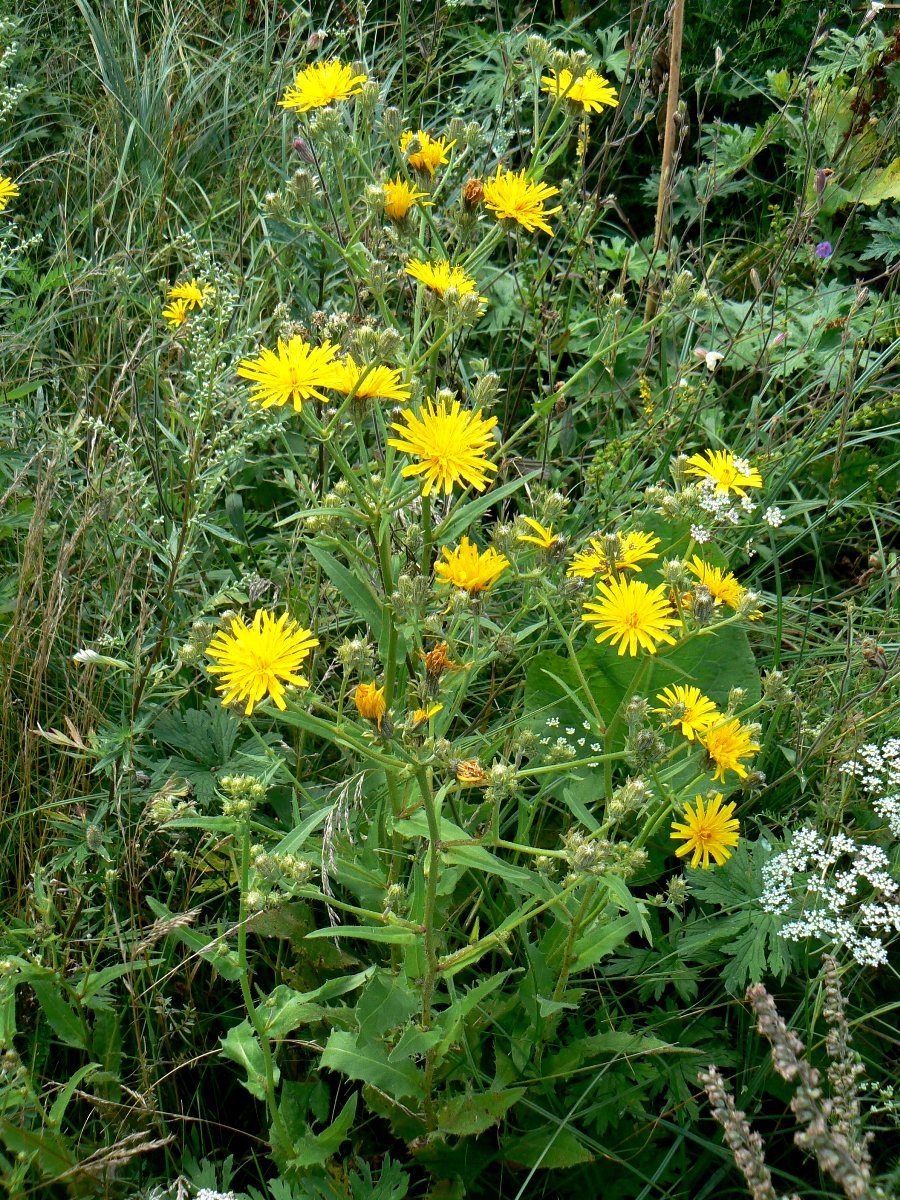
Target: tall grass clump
{"type": "Point", "coordinates": [448, 639]}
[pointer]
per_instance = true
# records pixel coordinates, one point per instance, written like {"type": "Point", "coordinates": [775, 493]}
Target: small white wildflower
{"type": "Point", "coordinates": [773, 516]}
{"type": "Point", "coordinates": [700, 534]}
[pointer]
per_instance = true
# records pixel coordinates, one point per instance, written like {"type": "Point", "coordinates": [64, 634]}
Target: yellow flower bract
{"type": "Point", "coordinates": [470, 570]}
{"type": "Point", "coordinates": [258, 659]}
{"type": "Point", "coordinates": [322, 84]}
{"type": "Point", "coordinates": [450, 443]}
{"type": "Point", "coordinates": [688, 708]}
{"type": "Point", "coordinates": [723, 585]}
{"type": "Point", "coordinates": [176, 313]}
{"type": "Point", "coordinates": [9, 189]}
{"type": "Point", "coordinates": [432, 152]}
{"type": "Point", "coordinates": [368, 382]}
{"type": "Point", "coordinates": [728, 473]}
{"type": "Point", "coordinates": [633, 549]}
{"type": "Point", "coordinates": [632, 614]}
{"type": "Point", "coordinates": [399, 197]}
{"type": "Point", "coordinates": [590, 90]}
{"type": "Point", "coordinates": [544, 537]}
{"type": "Point", "coordinates": [708, 831]}
{"type": "Point", "coordinates": [726, 744]}
{"type": "Point", "coordinates": [370, 703]}
{"type": "Point", "coordinates": [514, 197]}
{"type": "Point", "coordinates": [439, 276]}
{"type": "Point", "coordinates": [295, 371]}
{"type": "Point", "coordinates": [193, 293]}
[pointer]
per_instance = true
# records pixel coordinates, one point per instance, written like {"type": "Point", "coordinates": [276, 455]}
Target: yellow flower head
{"type": "Point", "coordinates": [254, 659]}
{"type": "Point", "coordinates": [723, 586]}
{"type": "Point", "coordinates": [369, 701]}
{"type": "Point", "coordinates": [710, 830]}
{"type": "Point", "coordinates": [514, 197]}
{"type": "Point", "coordinates": [194, 294]}
{"type": "Point", "coordinates": [544, 537]}
{"type": "Point", "coordinates": [432, 152]}
{"type": "Point", "coordinates": [728, 473]}
{"type": "Point", "coordinates": [321, 84]}
{"type": "Point", "coordinates": [400, 197]}
{"type": "Point", "coordinates": [620, 552]}
{"type": "Point", "coordinates": [689, 708]}
{"type": "Point", "coordinates": [8, 191]}
{"type": "Point", "coordinates": [295, 372]}
{"type": "Point", "coordinates": [368, 382]}
{"type": "Point", "coordinates": [726, 744]}
{"type": "Point", "coordinates": [470, 570]}
{"type": "Point", "coordinates": [632, 614]}
{"type": "Point", "coordinates": [450, 443]}
{"type": "Point", "coordinates": [438, 276]}
{"type": "Point", "coordinates": [176, 313]}
{"type": "Point", "coordinates": [590, 90]}
{"type": "Point", "coordinates": [421, 715]}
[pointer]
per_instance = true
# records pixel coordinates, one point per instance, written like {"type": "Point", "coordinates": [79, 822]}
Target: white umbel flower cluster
{"type": "Point", "coordinates": [878, 770]}
{"type": "Point", "coordinates": [842, 891]}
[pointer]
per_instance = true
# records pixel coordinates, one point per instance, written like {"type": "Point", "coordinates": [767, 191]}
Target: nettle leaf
{"type": "Point", "coordinates": [548, 1149]}
{"type": "Point", "coordinates": [242, 1046]}
{"type": "Point", "coordinates": [471, 1114]}
{"type": "Point", "coordinates": [369, 1063]}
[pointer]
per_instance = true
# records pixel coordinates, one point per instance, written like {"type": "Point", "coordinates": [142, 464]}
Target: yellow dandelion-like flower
{"type": "Point", "coordinates": [421, 715]}
{"type": "Point", "coordinates": [632, 614]}
{"type": "Point", "coordinates": [622, 552]}
{"type": "Point", "coordinates": [590, 90]}
{"type": "Point", "coordinates": [194, 294]}
{"type": "Point", "coordinates": [400, 196]}
{"type": "Point", "coordinates": [544, 537]}
{"type": "Point", "coordinates": [254, 659]}
{"type": "Point", "coordinates": [450, 443]}
{"type": "Point", "coordinates": [728, 473]}
{"type": "Point", "coordinates": [176, 313]}
{"type": "Point", "coordinates": [368, 382]}
{"type": "Point", "coordinates": [726, 744]}
{"type": "Point", "coordinates": [723, 585]}
{"type": "Point", "coordinates": [689, 708]}
{"type": "Point", "coordinates": [439, 276]}
{"type": "Point", "coordinates": [468, 569]}
{"type": "Point", "coordinates": [296, 372]}
{"type": "Point", "coordinates": [707, 831]}
{"type": "Point", "coordinates": [321, 84]}
{"type": "Point", "coordinates": [432, 152]}
{"type": "Point", "coordinates": [9, 189]}
{"type": "Point", "coordinates": [370, 703]}
{"type": "Point", "coordinates": [514, 197]}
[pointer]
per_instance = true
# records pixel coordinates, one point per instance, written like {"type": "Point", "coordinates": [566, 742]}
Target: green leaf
{"type": "Point", "coordinates": [61, 1103]}
{"type": "Point", "coordinates": [386, 1003]}
{"type": "Point", "coordinates": [242, 1046]}
{"type": "Point", "coordinates": [62, 1019]}
{"type": "Point", "coordinates": [461, 520]}
{"type": "Point", "coordinates": [392, 935]}
{"type": "Point", "coordinates": [469, 854]}
{"type": "Point", "coordinates": [369, 1064]}
{"type": "Point", "coordinates": [314, 1149]}
{"type": "Point", "coordinates": [352, 587]}
{"type": "Point", "coordinates": [467, 1115]}
{"type": "Point", "coordinates": [286, 1009]}
{"type": "Point", "coordinates": [553, 1151]}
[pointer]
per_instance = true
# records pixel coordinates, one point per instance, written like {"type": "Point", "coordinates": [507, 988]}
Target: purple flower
{"type": "Point", "coordinates": [823, 250]}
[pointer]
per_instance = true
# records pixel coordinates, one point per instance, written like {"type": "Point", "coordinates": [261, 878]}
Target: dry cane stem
{"type": "Point", "coordinates": [668, 156]}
